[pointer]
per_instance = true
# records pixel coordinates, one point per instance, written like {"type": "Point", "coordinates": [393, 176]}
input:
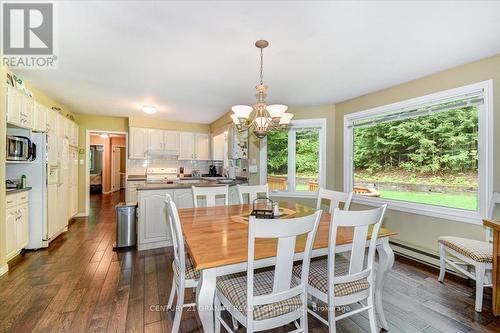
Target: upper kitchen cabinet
{"type": "Point", "coordinates": [163, 140]}
{"type": "Point", "coordinates": [237, 144]}
{"type": "Point", "coordinates": [219, 147]}
{"type": "Point", "coordinates": [19, 108]}
{"type": "Point", "coordinates": [186, 147]}
{"type": "Point", "coordinates": [39, 118]}
{"type": "Point", "coordinates": [138, 142]}
{"type": "Point", "coordinates": [194, 146]}
{"type": "Point", "coordinates": [202, 146]}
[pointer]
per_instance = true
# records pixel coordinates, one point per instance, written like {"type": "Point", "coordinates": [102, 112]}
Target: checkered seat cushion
{"type": "Point", "coordinates": [191, 272]}
{"type": "Point", "coordinates": [476, 250]}
{"type": "Point", "coordinates": [318, 277]}
{"type": "Point", "coordinates": [234, 289]}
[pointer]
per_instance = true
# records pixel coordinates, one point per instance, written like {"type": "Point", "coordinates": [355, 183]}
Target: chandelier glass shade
{"type": "Point", "coordinates": [260, 117]}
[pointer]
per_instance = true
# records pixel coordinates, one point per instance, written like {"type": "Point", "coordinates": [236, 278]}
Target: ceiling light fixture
{"type": "Point", "coordinates": [149, 109]}
{"type": "Point", "coordinates": [261, 117]}
{"type": "Point", "coordinates": [104, 135]}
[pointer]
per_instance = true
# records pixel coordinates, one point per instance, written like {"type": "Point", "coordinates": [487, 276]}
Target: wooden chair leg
{"type": "Point", "coordinates": [442, 262]}
{"type": "Point", "coordinates": [480, 272]}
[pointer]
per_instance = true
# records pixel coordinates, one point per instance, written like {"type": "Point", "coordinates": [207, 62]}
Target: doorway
{"type": "Point", "coordinates": [107, 162]}
{"type": "Point", "coordinates": [118, 167]}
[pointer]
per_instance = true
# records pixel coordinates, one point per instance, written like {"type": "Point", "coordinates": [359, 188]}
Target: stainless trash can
{"type": "Point", "coordinates": [126, 233]}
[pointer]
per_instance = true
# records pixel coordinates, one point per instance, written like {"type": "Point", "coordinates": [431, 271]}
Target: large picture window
{"type": "Point", "coordinates": [427, 154]}
{"type": "Point", "coordinates": [294, 161]}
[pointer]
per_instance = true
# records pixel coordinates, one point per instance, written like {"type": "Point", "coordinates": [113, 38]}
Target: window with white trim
{"type": "Point", "coordinates": [429, 155]}
{"type": "Point", "coordinates": [294, 159]}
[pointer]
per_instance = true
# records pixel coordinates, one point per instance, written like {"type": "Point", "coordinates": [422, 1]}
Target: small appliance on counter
{"type": "Point", "coordinates": [212, 171]}
{"type": "Point", "coordinates": [181, 172]}
{"type": "Point", "coordinates": [12, 184]}
{"type": "Point", "coordinates": [196, 173]}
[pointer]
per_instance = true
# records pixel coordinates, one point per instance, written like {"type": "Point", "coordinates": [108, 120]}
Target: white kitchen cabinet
{"type": "Point", "coordinates": [19, 108]}
{"type": "Point", "coordinates": [39, 118]}
{"type": "Point", "coordinates": [138, 141]}
{"type": "Point", "coordinates": [219, 147]}
{"type": "Point", "coordinates": [131, 194]}
{"type": "Point", "coordinates": [73, 183]}
{"type": "Point", "coordinates": [171, 140]}
{"type": "Point", "coordinates": [11, 215]}
{"type": "Point", "coordinates": [155, 139]}
{"type": "Point", "coordinates": [186, 146]}
{"type": "Point", "coordinates": [17, 223]}
{"type": "Point", "coordinates": [153, 229]}
{"type": "Point", "coordinates": [202, 146]}
{"type": "Point", "coordinates": [183, 198]}
{"type": "Point", "coordinates": [23, 226]}
{"type": "Point", "coordinates": [163, 140]}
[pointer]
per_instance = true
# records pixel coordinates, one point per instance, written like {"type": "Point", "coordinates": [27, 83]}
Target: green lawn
{"type": "Point", "coordinates": [463, 201]}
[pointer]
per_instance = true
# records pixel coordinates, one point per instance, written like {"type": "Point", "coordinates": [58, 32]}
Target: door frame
{"type": "Point", "coordinates": [87, 161]}
{"type": "Point", "coordinates": [113, 164]}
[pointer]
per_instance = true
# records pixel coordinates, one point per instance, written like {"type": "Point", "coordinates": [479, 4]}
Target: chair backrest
{"type": "Point", "coordinates": [286, 231]}
{"type": "Point", "coordinates": [252, 191]}
{"type": "Point", "coordinates": [335, 199]}
{"type": "Point", "coordinates": [495, 199]}
{"type": "Point", "coordinates": [177, 236]}
{"type": "Point", "coordinates": [210, 193]}
{"type": "Point", "coordinates": [360, 221]}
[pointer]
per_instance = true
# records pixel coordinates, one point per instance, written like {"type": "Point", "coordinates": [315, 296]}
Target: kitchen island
{"type": "Point", "coordinates": [153, 228]}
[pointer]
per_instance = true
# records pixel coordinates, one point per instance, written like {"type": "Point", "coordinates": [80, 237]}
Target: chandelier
{"type": "Point", "coordinates": [261, 117]}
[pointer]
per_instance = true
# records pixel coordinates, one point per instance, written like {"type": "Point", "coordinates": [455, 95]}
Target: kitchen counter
{"type": "Point", "coordinates": [18, 190]}
{"type": "Point", "coordinates": [188, 184]}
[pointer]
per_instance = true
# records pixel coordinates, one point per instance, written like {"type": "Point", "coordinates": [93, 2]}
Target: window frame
{"type": "Point", "coordinates": [485, 151]}
{"type": "Point", "coordinates": [297, 124]}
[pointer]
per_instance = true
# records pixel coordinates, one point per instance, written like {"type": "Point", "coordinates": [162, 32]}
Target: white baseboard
{"type": "Point", "coordinates": [4, 269]}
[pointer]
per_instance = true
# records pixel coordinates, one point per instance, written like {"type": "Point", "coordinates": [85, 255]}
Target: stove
{"type": "Point", "coordinates": [161, 175]}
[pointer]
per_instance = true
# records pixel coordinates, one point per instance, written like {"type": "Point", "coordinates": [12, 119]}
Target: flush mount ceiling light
{"type": "Point", "coordinates": [149, 109]}
{"type": "Point", "coordinates": [261, 117]}
{"type": "Point", "coordinates": [104, 135]}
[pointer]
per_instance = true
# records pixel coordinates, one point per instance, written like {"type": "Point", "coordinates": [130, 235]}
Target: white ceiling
{"type": "Point", "coordinates": [194, 60]}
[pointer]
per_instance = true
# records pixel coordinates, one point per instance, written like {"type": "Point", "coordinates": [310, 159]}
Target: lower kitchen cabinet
{"type": "Point", "coordinates": [153, 228]}
{"type": "Point", "coordinates": [17, 223]}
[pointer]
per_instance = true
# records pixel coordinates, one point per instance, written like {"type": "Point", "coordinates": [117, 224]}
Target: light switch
{"type": "Point", "coordinates": [253, 168]}
{"type": "Point", "coordinates": [82, 162]}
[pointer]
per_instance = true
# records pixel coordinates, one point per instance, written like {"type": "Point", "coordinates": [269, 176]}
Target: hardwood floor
{"type": "Point", "coordinates": [79, 284]}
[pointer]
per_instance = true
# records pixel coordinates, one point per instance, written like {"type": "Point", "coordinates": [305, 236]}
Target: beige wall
{"type": "Point", "coordinates": [167, 124]}
{"type": "Point", "coordinates": [415, 230]}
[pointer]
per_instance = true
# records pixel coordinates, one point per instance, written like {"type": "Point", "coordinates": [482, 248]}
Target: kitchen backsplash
{"type": "Point", "coordinates": [138, 167]}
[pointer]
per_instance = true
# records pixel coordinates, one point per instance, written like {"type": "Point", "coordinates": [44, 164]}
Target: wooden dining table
{"type": "Point", "coordinates": [217, 237]}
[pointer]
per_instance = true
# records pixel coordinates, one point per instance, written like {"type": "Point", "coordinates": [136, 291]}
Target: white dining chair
{"type": "Point", "coordinates": [269, 298]}
{"type": "Point", "coordinates": [335, 199]}
{"type": "Point", "coordinates": [253, 192]}
{"type": "Point", "coordinates": [210, 193]}
{"type": "Point", "coordinates": [475, 257]}
{"type": "Point", "coordinates": [338, 281]}
{"type": "Point", "coordinates": [185, 275]}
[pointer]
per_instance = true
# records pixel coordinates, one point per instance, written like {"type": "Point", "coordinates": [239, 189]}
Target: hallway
{"type": "Point", "coordinates": [80, 284]}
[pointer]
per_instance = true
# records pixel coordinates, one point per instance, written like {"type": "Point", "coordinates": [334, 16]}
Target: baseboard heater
{"type": "Point", "coordinates": [421, 256]}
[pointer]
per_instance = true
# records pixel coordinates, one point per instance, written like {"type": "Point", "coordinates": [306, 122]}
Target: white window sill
{"type": "Point", "coordinates": [452, 214]}
{"type": "Point", "coordinates": [283, 194]}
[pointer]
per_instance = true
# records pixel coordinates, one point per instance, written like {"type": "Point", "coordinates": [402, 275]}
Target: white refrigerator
{"type": "Point", "coordinates": [48, 177]}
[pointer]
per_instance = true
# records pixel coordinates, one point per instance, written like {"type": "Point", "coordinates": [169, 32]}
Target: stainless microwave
{"type": "Point", "coordinates": [20, 148]}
